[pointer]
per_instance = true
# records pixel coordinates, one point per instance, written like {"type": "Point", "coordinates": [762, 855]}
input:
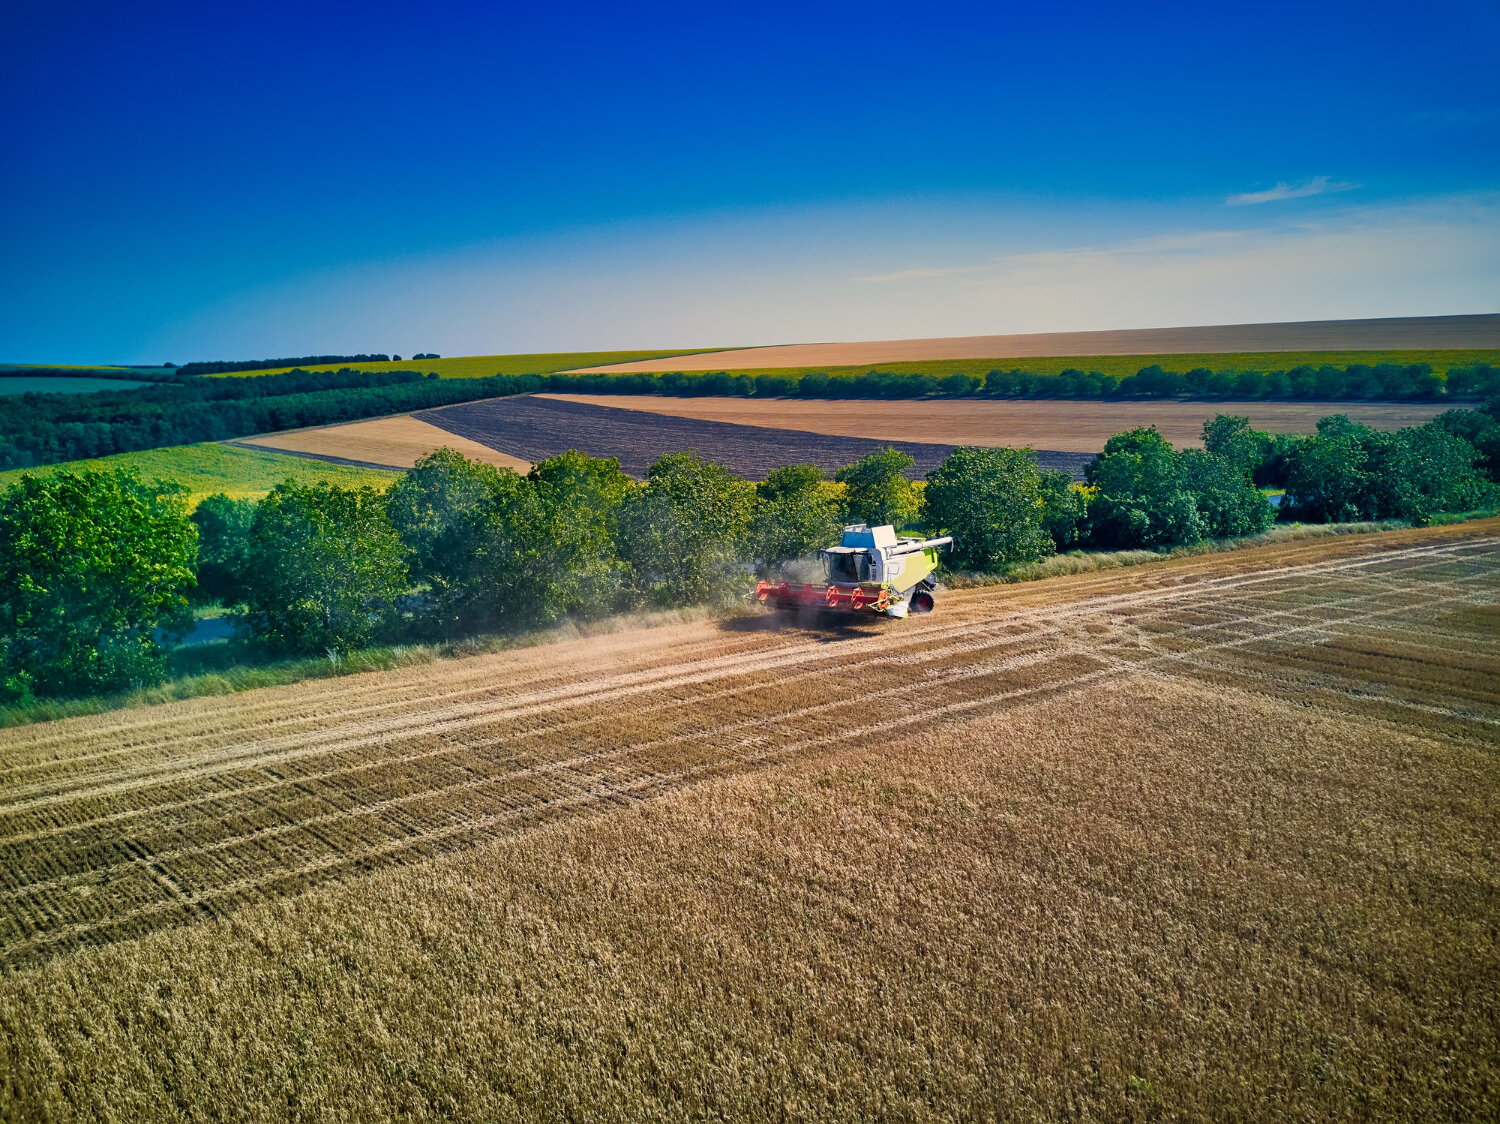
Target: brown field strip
{"type": "Point", "coordinates": [1078, 427]}
{"type": "Point", "coordinates": [1395, 333]}
{"type": "Point", "coordinates": [115, 826]}
{"type": "Point", "coordinates": [394, 442]}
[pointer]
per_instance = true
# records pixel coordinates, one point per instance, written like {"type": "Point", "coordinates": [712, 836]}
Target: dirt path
{"type": "Point", "coordinates": [114, 826]}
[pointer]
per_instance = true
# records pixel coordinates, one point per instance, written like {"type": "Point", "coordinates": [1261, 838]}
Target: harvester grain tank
{"type": "Point", "coordinates": [871, 570]}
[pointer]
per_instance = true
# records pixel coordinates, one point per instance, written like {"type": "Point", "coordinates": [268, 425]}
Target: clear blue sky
{"type": "Point", "coordinates": [194, 181]}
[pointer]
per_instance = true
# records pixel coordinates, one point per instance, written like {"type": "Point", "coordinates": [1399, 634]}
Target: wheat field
{"type": "Point", "coordinates": [1209, 837]}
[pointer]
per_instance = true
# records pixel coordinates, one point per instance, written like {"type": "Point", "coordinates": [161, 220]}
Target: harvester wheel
{"type": "Point", "coordinates": [921, 601]}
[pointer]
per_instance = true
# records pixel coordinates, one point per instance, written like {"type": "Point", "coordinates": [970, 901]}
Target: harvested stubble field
{"type": "Point", "coordinates": [1213, 837]}
{"type": "Point", "coordinates": [1076, 427]}
{"type": "Point", "coordinates": [533, 428]}
{"type": "Point", "coordinates": [394, 442]}
{"type": "Point", "coordinates": [1474, 333]}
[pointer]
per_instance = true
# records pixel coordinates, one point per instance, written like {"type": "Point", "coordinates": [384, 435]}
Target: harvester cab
{"type": "Point", "coordinates": [871, 570]}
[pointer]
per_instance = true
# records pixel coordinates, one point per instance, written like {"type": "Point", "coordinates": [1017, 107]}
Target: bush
{"type": "Point", "coordinates": [223, 546]}
{"type": "Point", "coordinates": [1229, 504]}
{"type": "Point", "coordinates": [95, 569]}
{"type": "Point", "coordinates": [991, 501]}
{"type": "Point", "coordinates": [796, 512]}
{"type": "Point", "coordinates": [878, 490]}
{"type": "Point", "coordinates": [1351, 472]}
{"type": "Point", "coordinates": [325, 567]}
{"type": "Point", "coordinates": [684, 532]}
{"type": "Point", "coordinates": [1065, 509]}
{"type": "Point", "coordinates": [1141, 501]}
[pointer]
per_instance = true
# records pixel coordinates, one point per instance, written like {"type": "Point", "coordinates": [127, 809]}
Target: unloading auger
{"type": "Point", "coordinates": [870, 571]}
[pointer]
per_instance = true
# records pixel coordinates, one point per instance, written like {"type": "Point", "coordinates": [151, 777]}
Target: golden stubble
{"type": "Point", "coordinates": [1209, 838]}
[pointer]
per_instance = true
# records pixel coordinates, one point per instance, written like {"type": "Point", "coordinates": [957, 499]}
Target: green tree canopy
{"type": "Point", "coordinates": [1141, 498]}
{"type": "Point", "coordinates": [992, 502]}
{"type": "Point", "coordinates": [94, 567]}
{"type": "Point", "coordinates": [1229, 504]}
{"type": "Point", "coordinates": [325, 569]}
{"type": "Point", "coordinates": [878, 490]}
{"type": "Point", "coordinates": [795, 514]}
{"type": "Point", "coordinates": [1065, 509]}
{"type": "Point", "coordinates": [223, 546]}
{"type": "Point", "coordinates": [445, 511]}
{"type": "Point", "coordinates": [1230, 438]}
{"type": "Point", "coordinates": [1349, 471]}
{"type": "Point", "coordinates": [683, 532]}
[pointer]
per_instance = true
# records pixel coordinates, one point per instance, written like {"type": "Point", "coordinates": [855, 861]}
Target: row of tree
{"type": "Point", "coordinates": [98, 570]}
{"type": "Point", "coordinates": [38, 429]}
{"type": "Point", "coordinates": [41, 429]}
{"type": "Point", "coordinates": [1417, 381]}
{"type": "Point", "coordinates": [223, 367]}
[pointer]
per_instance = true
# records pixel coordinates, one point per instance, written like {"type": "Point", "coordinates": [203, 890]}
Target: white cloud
{"type": "Point", "coordinates": [780, 277]}
{"type": "Point", "coordinates": [919, 273]}
{"type": "Point", "coordinates": [1318, 185]}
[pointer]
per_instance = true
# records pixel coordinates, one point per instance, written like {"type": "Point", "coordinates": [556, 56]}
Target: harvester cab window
{"type": "Point", "coordinates": [843, 568]}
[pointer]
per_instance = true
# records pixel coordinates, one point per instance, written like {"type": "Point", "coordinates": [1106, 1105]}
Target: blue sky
{"type": "Point", "coordinates": [233, 180]}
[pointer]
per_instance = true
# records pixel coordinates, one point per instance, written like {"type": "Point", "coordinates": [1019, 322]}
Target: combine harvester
{"type": "Point", "coordinates": [870, 571]}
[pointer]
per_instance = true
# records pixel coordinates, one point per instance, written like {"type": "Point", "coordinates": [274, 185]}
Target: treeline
{"type": "Point", "coordinates": [37, 429]}
{"type": "Point", "coordinates": [98, 571]}
{"type": "Point", "coordinates": [133, 374]}
{"type": "Point", "coordinates": [222, 367]}
{"type": "Point", "coordinates": [1412, 382]}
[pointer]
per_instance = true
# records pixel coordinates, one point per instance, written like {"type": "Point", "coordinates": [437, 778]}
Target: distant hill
{"type": "Point", "coordinates": [1402, 333]}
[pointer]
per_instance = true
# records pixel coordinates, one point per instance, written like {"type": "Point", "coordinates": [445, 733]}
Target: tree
{"type": "Point", "coordinates": [1065, 509]}
{"type": "Point", "coordinates": [443, 511]}
{"type": "Point", "coordinates": [578, 499]}
{"type": "Point", "coordinates": [500, 549]}
{"type": "Point", "coordinates": [878, 490]}
{"type": "Point", "coordinates": [1141, 500]}
{"type": "Point", "coordinates": [94, 570]}
{"type": "Point", "coordinates": [1328, 478]}
{"type": "Point", "coordinates": [991, 502]}
{"type": "Point", "coordinates": [1426, 470]}
{"type": "Point", "coordinates": [1230, 437]}
{"type": "Point", "coordinates": [796, 512]}
{"type": "Point", "coordinates": [325, 569]}
{"type": "Point", "coordinates": [1229, 504]}
{"type": "Point", "coordinates": [223, 546]}
{"type": "Point", "coordinates": [1480, 429]}
{"type": "Point", "coordinates": [683, 532]}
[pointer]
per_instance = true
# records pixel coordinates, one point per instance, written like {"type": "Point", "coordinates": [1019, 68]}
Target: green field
{"type": "Point", "coordinates": [211, 467]}
{"type": "Point", "coordinates": [483, 366]}
{"type": "Point", "coordinates": [1122, 365]}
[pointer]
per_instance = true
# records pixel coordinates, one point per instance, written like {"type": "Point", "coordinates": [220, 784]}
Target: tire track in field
{"type": "Point", "coordinates": [363, 858]}
{"type": "Point", "coordinates": [338, 693]}
{"type": "Point", "coordinates": [640, 681]}
{"type": "Point", "coordinates": [333, 698]}
{"type": "Point", "coordinates": [1134, 601]}
{"type": "Point", "coordinates": [596, 792]}
{"type": "Point", "coordinates": [424, 725]}
{"type": "Point", "coordinates": [387, 731]}
{"type": "Point", "coordinates": [341, 691]}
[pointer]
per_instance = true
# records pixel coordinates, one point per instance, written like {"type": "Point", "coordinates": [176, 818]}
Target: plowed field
{"type": "Point", "coordinates": [1144, 838]}
{"type": "Point", "coordinates": [1074, 427]}
{"type": "Point", "coordinates": [533, 428]}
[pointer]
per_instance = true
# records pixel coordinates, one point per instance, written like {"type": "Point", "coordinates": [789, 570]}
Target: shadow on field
{"type": "Point", "coordinates": [820, 623]}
